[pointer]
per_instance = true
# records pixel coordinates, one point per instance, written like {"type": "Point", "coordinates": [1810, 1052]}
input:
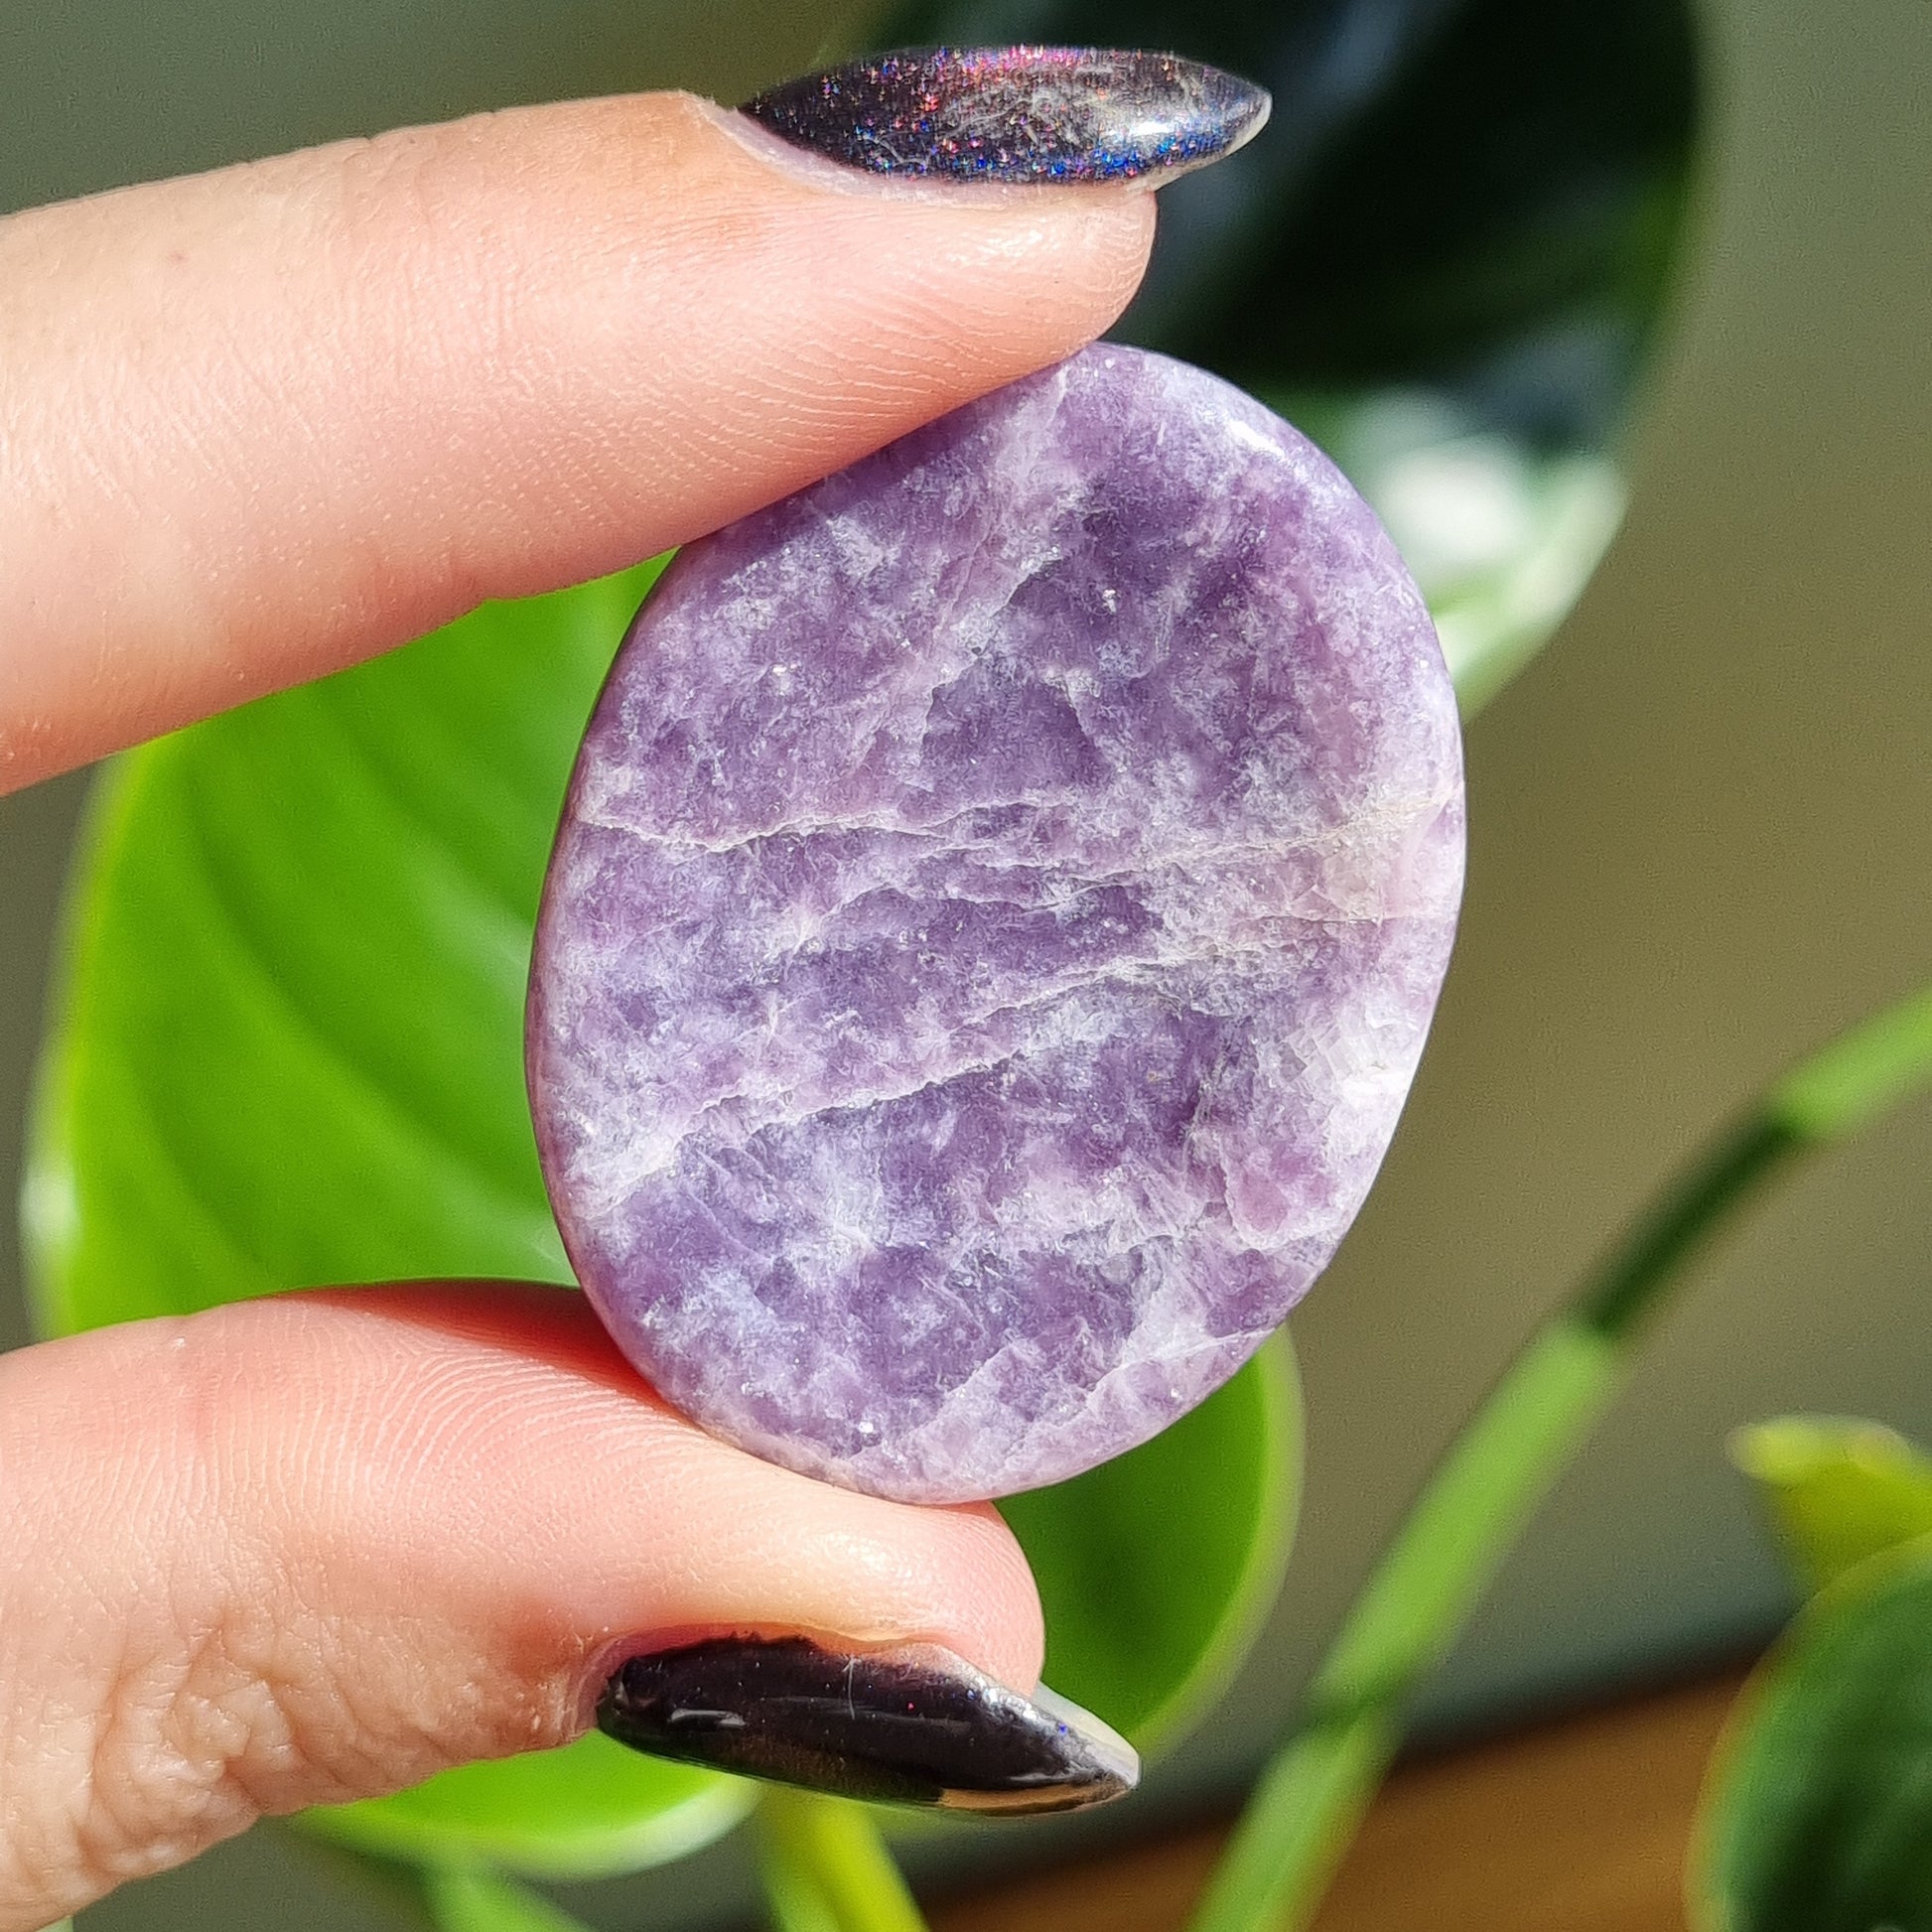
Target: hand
{"type": "Point", "coordinates": [257, 426]}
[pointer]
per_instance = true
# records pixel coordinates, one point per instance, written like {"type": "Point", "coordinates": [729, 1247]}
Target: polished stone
{"type": "Point", "coordinates": [1000, 904]}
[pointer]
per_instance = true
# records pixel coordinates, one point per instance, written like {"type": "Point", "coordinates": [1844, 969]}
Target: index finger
{"type": "Point", "coordinates": [260, 424]}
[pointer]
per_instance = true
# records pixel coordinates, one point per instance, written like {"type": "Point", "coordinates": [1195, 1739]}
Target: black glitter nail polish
{"type": "Point", "coordinates": [1028, 114]}
{"type": "Point", "coordinates": [913, 1726]}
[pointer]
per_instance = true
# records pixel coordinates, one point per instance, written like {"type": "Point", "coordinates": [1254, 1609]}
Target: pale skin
{"type": "Point", "coordinates": [257, 426]}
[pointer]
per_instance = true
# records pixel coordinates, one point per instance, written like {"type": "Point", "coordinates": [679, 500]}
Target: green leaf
{"type": "Point", "coordinates": [1860, 1074]}
{"type": "Point", "coordinates": [465, 1901]}
{"type": "Point", "coordinates": [1500, 534]}
{"type": "Point", "coordinates": [287, 1044]}
{"type": "Point", "coordinates": [593, 1810]}
{"type": "Point", "coordinates": [1157, 1570]}
{"type": "Point", "coordinates": [287, 1049]}
{"type": "Point", "coordinates": [1818, 1813]}
{"type": "Point", "coordinates": [1839, 1491]}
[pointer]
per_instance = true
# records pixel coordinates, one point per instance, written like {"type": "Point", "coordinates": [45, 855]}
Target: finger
{"type": "Point", "coordinates": [315, 1548]}
{"type": "Point", "coordinates": [259, 424]}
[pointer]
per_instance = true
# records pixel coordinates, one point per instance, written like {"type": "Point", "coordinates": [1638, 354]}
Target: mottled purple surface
{"type": "Point", "coordinates": [1000, 904]}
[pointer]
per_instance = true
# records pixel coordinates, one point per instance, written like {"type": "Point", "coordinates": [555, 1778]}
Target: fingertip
{"type": "Point", "coordinates": [1099, 234]}
{"type": "Point", "coordinates": [1006, 1635]}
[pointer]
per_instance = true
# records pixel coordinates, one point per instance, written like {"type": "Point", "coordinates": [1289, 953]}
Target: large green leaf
{"type": "Point", "coordinates": [286, 1047]}
{"type": "Point", "coordinates": [1158, 1568]}
{"type": "Point", "coordinates": [1818, 1815]}
{"type": "Point", "coordinates": [1839, 1491]}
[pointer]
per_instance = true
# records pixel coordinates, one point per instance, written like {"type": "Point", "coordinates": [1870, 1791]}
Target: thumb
{"type": "Point", "coordinates": [315, 1548]}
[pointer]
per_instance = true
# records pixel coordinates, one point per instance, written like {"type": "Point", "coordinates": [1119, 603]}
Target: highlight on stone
{"type": "Point", "coordinates": [1018, 114]}
{"type": "Point", "coordinates": [1000, 902]}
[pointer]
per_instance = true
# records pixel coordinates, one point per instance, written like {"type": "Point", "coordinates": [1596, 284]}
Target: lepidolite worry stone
{"type": "Point", "coordinates": [1000, 902]}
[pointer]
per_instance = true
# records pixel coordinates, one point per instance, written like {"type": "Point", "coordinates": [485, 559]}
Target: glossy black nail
{"type": "Point", "coordinates": [912, 1727]}
{"type": "Point", "coordinates": [1028, 114]}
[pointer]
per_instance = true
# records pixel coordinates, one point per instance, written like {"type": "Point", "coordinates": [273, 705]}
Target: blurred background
{"type": "Point", "coordinates": [1702, 817]}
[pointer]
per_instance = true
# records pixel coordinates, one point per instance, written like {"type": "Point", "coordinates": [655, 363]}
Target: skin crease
{"type": "Point", "coordinates": [261, 424]}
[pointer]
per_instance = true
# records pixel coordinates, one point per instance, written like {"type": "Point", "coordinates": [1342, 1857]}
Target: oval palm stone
{"type": "Point", "coordinates": [1000, 902]}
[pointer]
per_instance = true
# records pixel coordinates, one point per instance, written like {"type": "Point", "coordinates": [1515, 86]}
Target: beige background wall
{"type": "Point", "coordinates": [1702, 832]}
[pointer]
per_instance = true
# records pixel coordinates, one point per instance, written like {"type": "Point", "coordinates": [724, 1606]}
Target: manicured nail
{"type": "Point", "coordinates": [1017, 113]}
{"type": "Point", "coordinates": [911, 1726]}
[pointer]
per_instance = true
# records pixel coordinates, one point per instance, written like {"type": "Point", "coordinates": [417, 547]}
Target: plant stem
{"type": "Point", "coordinates": [1314, 1792]}
{"type": "Point", "coordinates": [827, 1870]}
{"type": "Point", "coordinates": [468, 1899]}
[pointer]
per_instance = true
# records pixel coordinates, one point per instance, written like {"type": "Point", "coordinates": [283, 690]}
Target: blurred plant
{"type": "Point", "coordinates": [1445, 259]}
{"type": "Point", "coordinates": [298, 938]}
{"type": "Point", "coordinates": [1313, 1794]}
{"type": "Point", "coordinates": [1818, 1810]}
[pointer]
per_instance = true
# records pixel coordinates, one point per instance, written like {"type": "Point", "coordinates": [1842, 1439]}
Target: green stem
{"type": "Point", "coordinates": [1314, 1792]}
{"type": "Point", "coordinates": [827, 1870]}
{"type": "Point", "coordinates": [462, 1898]}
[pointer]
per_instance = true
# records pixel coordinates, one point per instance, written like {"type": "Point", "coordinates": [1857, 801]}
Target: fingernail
{"type": "Point", "coordinates": [911, 1726]}
{"type": "Point", "coordinates": [1027, 115]}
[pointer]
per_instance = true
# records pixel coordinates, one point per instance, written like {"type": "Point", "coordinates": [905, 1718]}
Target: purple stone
{"type": "Point", "coordinates": [1001, 899]}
